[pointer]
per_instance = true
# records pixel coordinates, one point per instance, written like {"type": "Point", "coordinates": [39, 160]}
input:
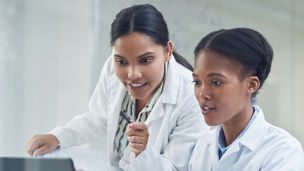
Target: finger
{"type": "Point", "coordinates": [29, 148]}
{"type": "Point", "coordinates": [137, 148]}
{"type": "Point", "coordinates": [32, 149]}
{"type": "Point", "coordinates": [138, 125]}
{"type": "Point", "coordinates": [133, 132]}
{"type": "Point", "coordinates": [32, 145]}
{"type": "Point", "coordinates": [137, 139]}
{"type": "Point", "coordinates": [40, 151]}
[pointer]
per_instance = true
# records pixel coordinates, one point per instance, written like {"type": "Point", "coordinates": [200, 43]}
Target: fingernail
{"type": "Point", "coordinates": [131, 125]}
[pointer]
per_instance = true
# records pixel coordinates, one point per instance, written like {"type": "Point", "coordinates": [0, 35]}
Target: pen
{"type": "Point", "coordinates": [123, 115]}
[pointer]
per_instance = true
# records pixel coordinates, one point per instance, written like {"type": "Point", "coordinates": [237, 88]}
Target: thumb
{"type": "Point", "coordinates": [131, 123]}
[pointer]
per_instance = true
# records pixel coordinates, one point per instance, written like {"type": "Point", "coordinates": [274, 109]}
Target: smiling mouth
{"type": "Point", "coordinates": [137, 86]}
{"type": "Point", "coordinates": [206, 109]}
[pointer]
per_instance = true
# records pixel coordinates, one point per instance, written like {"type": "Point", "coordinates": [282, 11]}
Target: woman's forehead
{"type": "Point", "coordinates": [212, 62]}
{"type": "Point", "coordinates": [135, 44]}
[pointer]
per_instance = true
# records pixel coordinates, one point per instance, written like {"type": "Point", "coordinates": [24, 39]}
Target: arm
{"type": "Point", "coordinates": [91, 124]}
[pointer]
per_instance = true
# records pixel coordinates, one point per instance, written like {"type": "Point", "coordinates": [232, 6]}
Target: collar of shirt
{"type": "Point", "coordinates": [222, 148]}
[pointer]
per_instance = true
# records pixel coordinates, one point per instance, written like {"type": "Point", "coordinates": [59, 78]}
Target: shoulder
{"type": "Point", "coordinates": [283, 149]}
{"type": "Point", "coordinates": [281, 138]}
{"type": "Point", "coordinates": [268, 135]}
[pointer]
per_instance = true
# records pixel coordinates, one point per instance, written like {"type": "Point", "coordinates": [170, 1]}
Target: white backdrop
{"type": "Point", "coordinates": [51, 53]}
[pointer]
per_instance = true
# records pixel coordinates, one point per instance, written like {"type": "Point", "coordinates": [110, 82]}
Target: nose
{"type": "Point", "coordinates": [134, 73]}
{"type": "Point", "coordinates": [204, 92]}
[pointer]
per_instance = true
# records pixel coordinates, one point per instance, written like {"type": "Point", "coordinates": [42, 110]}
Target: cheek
{"type": "Point", "coordinates": [230, 98]}
{"type": "Point", "coordinates": [155, 71]}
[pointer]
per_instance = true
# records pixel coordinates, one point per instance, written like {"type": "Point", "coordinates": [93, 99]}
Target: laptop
{"type": "Point", "coordinates": [36, 164]}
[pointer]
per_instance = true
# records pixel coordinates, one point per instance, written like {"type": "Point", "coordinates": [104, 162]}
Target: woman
{"type": "Point", "coordinates": [230, 67]}
{"type": "Point", "coordinates": [143, 80]}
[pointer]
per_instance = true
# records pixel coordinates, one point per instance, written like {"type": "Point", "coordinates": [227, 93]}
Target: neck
{"type": "Point", "coordinates": [233, 128]}
{"type": "Point", "coordinates": [139, 105]}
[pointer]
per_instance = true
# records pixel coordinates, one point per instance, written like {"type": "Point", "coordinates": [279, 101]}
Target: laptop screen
{"type": "Point", "coordinates": [35, 164]}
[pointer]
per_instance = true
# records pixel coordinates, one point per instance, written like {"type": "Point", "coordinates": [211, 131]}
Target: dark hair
{"type": "Point", "coordinates": [144, 19]}
{"type": "Point", "coordinates": [244, 45]}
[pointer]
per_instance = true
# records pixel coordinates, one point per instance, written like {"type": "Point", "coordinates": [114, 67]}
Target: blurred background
{"type": "Point", "coordinates": [51, 54]}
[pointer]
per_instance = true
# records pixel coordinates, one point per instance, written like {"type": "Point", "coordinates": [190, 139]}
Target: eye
{"type": "Point", "coordinates": [216, 83]}
{"type": "Point", "coordinates": [196, 83]}
{"type": "Point", "coordinates": [145, 60]}
{"type": "Point", "coordinates": [121, 61]}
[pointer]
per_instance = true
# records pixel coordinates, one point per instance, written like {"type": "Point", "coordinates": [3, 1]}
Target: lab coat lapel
{"type": "Point", "coordinates": [227, 159]}
{"type": "Point", "coordinates": [249, 140]}
{"type": "Point", "coordinates": [156, 113]}
{"type": "Point", "coordinates": [232, 153]}
{"type": "Point", "coordinates": [169, 94]}
{"type": "Point", "coordinates": [256, 132]}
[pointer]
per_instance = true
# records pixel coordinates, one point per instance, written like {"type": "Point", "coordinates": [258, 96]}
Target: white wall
{"type": "Point", "coordinates": [51, 53]}
{"type": "Point", "coordinates": [46, 70]}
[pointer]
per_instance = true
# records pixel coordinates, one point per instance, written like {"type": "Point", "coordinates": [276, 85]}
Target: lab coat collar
{"type": "Point", "coordinates": [250, 139]}
{"type": "Point", "coordinates": [169, 94]}
{"type": "Point", "coordinates": [213, 149]}
{"type": "Point", "coordinates": [171, 86]}
{"type": "Point", "coordinates": [256, 132]}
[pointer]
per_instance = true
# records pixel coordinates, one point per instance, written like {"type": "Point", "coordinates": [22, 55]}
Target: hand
{"type": "Point", "coordinates": [138, 136]}
{"type": "Point", "coordinates": [40, 144]}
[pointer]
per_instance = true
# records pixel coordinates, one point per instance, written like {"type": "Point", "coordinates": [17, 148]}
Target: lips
{"type": "Point", "coordinates": [137, 86]}
{"type": "Point", "coordinates": [206, 108]}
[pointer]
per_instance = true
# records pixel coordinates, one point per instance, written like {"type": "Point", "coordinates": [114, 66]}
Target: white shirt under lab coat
{"type": "Point", "coordinates": [263, 147]}
{"type": "Point", "coordinates": [174, 124]}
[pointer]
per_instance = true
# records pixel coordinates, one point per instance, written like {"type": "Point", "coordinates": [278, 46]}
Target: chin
{"type": "Point", "coordinates": [139, 96]}
{"type": "Point", "coordinates": [211, 122]}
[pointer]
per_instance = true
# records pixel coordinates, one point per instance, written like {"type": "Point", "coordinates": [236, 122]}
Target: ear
{"type": "Point", "coordinates": [168, 50]}
{"type": "Point", "coordinates": [253, 84]}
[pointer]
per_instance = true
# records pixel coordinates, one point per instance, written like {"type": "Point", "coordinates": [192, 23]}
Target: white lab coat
{"type": "Point", "coordinates": [174, 124]}
{"type": "Point", "coordinates": [263, 147]}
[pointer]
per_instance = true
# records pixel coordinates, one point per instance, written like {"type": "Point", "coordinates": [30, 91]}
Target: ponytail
{"type": "Point", "coordinates": [181, 60]}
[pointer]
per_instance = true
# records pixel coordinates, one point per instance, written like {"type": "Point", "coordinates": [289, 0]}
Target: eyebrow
{"type": "Point", "coordinates": [194, 75]}
{"type": "Point", "coordinates": [209, 75]}
{"type": "Point", "coordinates": [140, 56]}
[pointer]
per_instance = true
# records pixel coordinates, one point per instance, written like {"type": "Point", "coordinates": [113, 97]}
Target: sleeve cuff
{"type": "Point", "coordinates": [57, 132]}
